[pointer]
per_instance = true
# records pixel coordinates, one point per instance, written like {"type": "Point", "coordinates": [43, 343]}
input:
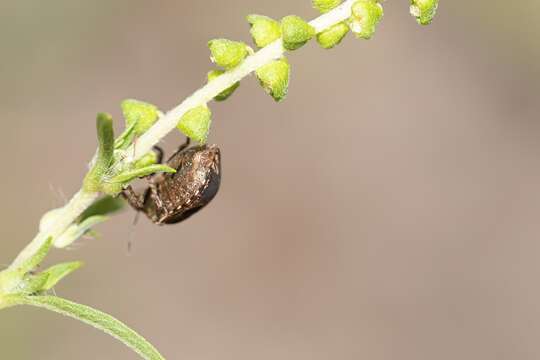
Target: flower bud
{"type": "Point", "coordinates": [264, 30]}
{"type": "Point", "coordinates": [333, 35]}
{"type": "Point", "coordinates": [195, 123]}
{"type": "Point", "coordinates": [274, 78]}
{"type": "Point", "coordinates": [424, 10]}
{"type": "Point", "coordinates": [325, 6]}
{"type": "Point", "coordinates": [224, 95]}
{"type": "Point", "coordinates": [296, 32]}
{"type": "Point", "coordinates": [144, 115]}
{"type": "Point", "coordinates": [366, 14]}
{"type": "Point", "coordinates": [226, 53]}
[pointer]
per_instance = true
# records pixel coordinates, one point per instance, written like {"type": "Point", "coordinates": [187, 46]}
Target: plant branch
{"type": "Point", "coordinates": [83, 199]}
{"type": "Point", "coordinates": [205, 94]}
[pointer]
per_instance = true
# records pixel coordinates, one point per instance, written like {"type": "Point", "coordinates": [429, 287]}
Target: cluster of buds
{"type": "Point", "coordinates": [291, 33]}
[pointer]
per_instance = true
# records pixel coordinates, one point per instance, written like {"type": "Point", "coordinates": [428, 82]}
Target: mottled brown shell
{"type": "Point", "coordinates": [172, 198]}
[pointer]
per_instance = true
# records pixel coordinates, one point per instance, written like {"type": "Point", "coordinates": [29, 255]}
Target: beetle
{"type": "Point", "coordinates": [172, 198]}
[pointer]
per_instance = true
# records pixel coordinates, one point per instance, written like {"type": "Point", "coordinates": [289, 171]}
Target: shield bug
{"type": "Point", "coordinates": [172, 198]}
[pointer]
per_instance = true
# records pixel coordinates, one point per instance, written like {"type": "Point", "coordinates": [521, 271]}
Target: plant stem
{"type": "Point", "coordinates": [205, 94]}
{"type": "Point", "coordinates": [82, 200]}
{"type": "Point", "coordinates": [62, 220]}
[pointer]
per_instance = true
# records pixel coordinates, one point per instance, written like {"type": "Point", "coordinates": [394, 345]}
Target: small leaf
{"type": "Point", "coordinates": [274, 78]}
{"type": "Point", "coordinates": [92, 181]}
{"type": "Point", "coordinates": [424, 10]}
{"type": "Point", "coordinates": [33, 262]}
{"type": "Point", "coordinates": [58, 272]}
{"type": "Point", "coordinates": [264, 30]}
{"type": "Point", "coordinates": [106, 205]}
{"type": "Point", "coordinates": [76, 231]}
{"type": "Point", "coordinates": [366, 15]}
{"type": "Point", "coordinates": [151, 158]}
{"type": "Point", "coordinates": [32, 284]}
{"type": "Point", "coordinates": [196, 123]}
{"type": "Point", "coordinates": [140, 114]}
{"type": "Point", "coordinates": [130, 175]}
{"type": "Point", "coordinates": [224, 95]}
{"type": "Point", "coordinates": [325, 6]}
{"type": "Point", "coordinates": [126, 138]}
{"type": "Point", "coordinates": [15, 279]}
{"type": "Point", "coordinates": [333, 35]}
{"type": "Point", "coordinates": [296, 32]}
{"type": "Point", "coordinates": [226, 53]}
{"type": "Point", "coordinates": [94, 318]}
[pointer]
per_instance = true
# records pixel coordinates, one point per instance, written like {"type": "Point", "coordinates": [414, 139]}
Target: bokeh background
{"type": "Point", "coordinates": [388, 209]}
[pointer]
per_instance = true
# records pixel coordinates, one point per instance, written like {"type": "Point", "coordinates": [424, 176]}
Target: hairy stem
{"type": "Point", "coordinates": [82, 200]}
{"type": "Point", "coordinates": [62, 220]}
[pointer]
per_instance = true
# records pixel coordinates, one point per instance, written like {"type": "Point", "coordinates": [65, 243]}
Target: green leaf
{"type": "Point", "coordinates": [92, 181]}
{"type": "Point", "coordinates": [58, 272]}
{"type": "Point", "coordinates": [130, 175]}
{"type": "Point", "coordinates": [150, 158]}
{"type": "Point", "coordinates": [274, 78]}
{"type": "Point", "coordinates": [140, 114]}
{"type": "Point", "coordinates": [76, 231]}
{"type": "Point", "coordinates": [126, 138]}
{"type": "Point", "coordinates": [19, 279]}
{"type": "Point", "coordinates": [333, 35]}
{"type": "Point", "coordinates": [366, 15]}
{"type": "Point", "coordinates": [227, 53]}
{"type": "Point", "coordinates": [424, 10]}
{"type": "Point", "coordinates": [106, 205]}
{"type": "Point", "coordinates": [325, 6]}
{"type": "Point", "coordinates": [296, 32]}
{"type": "Point", "coordinates": [94, 318]}
{"type": "Point", "coordinates": [196, 123]}
{"type": "Point", "coordinates": [32, 284]}
{"type": "Point", "coordinates": [33, 262]}
{"type": "Point", "coordinates": [264, 30]}
{"type": "Point", "coordinates": [224, 95]}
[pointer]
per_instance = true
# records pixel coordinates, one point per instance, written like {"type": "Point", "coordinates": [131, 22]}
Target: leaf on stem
{"type": "Point", "coordinates": [94, 318]}
{"type": "Point", "coordinates": [92, 182]}
{"type": "Point", "coordinates": [58, 272]}
{"type": "Point", "coordinates": [76, 231]}
{"type": "Point", "coordinates": [130, 175]}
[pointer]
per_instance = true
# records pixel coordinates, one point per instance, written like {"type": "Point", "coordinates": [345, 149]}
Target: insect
{"type": "Point", "coordinates": [172, 198]}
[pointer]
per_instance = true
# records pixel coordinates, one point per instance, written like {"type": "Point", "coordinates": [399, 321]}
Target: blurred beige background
{"type": "Point", "coordinates": [388, 209]}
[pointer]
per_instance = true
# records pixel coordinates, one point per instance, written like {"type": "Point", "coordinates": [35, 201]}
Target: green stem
{"type": "Point", "coordinates": [168, 122]}
{"type": "Point", "coordinates": [62, 220]}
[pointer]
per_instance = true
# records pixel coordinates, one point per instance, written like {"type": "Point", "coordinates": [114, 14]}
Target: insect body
{"type": "Point", "coordinates": [171, 198]}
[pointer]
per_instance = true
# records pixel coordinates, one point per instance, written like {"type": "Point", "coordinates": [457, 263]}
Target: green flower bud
{"type": "Point", "coordinates": [224, 95]}
{"type": "Point", "coordinates": [274, 78]}
{"type": "Point", "coordinates": [264, 30]}
{"type": "Point", "coordinates": [226, 53]}
{"type": "Point", "coordinates": [333, 35]}
{"type": "Point", "coordinates": [296, 32]}
{"type": "Point", "coordinates": [195, 123]}
{"type": "Point", "coordinates": [424, 10]}
{"type": "Point", "coordinates": [144, 115]}
{"type": "Point", "coordinates": [325, 6]}
{"type": "Point", "coordinates": [366, 14]}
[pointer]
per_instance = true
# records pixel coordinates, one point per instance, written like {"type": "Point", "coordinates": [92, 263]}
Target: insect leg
{"type": "Point", "coordinates": [182, 147]}
{"type": "Point", "coordinates": [159, 151]}
{"type": "Point", "coordinates": [135, 200]}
